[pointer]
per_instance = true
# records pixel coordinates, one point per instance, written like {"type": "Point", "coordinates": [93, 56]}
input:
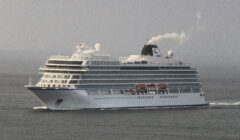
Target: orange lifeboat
{"type": "Point", "coordinates": [140, 86]}
{"type": "Point", "coordinates": [151, 86]}
{"type": "Point", "coordinates": [162, 86]}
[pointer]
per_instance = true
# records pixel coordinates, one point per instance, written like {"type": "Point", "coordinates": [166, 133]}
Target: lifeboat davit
{"type": "Point", "coordinates": [162, 86]}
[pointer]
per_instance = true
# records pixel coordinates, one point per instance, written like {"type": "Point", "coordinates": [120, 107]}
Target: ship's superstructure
{"type": "Point", "coordinates": [91, 79]}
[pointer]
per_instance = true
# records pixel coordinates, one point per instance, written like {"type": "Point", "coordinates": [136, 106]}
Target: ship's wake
{"type": "Point", "coordinates": [225, 103]}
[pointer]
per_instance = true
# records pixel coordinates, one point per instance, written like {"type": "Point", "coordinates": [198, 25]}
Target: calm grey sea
{"type": "Point", "coordinates": [221, 120]}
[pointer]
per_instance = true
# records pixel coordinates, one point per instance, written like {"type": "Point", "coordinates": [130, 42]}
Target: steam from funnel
{"type": "Point", "coordinates": [198, 17]}
{"type": "Point", "coordinates": [180, 38]}
{"type": "Point", "coordinates": [97, 46]}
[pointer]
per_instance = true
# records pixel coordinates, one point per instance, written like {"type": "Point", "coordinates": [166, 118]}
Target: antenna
{"type": "Point", "coordinates": [30, 81]}
{"type": "Point", "coordinates": [59, 53]}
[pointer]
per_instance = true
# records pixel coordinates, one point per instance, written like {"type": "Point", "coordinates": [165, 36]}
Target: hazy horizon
{"type": "Point", "coordinates": [31, 31]}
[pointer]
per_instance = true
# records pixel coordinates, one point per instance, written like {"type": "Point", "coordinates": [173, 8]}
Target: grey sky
{"type": "Point", "coordinates": [30, 31]}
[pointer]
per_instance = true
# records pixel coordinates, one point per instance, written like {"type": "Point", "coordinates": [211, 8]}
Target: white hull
{"type": "Point", "coordinates": [73, 99]}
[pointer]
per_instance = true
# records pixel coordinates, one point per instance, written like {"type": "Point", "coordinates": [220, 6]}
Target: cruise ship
{"type": "Point", "coordinates": [91, 79]}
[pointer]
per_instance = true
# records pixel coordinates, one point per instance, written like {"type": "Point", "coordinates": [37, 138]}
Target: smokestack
{"type": "Point", "coordinates": [151, 50]}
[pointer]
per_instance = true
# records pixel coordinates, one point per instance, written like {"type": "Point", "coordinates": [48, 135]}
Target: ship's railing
{"type": "Point", "coordinates": [139, 92]}
{"type": "Point", "coordinates": [59, 57]}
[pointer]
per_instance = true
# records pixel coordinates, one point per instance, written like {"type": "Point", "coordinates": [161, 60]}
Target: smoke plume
{"type": "Point", "coordinates": [198, 18]}
{"type": "Point", "coordinates": [180, 38]}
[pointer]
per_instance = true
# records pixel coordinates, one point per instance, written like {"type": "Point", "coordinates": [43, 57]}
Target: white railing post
{"type": "Point", "coordinates": [146, 88]}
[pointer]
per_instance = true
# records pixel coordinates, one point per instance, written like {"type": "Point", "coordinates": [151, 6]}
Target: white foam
{"type": "Point", "coordinates": [225, 103]}
{"type": "Point", "coordinates": [39, 107]}
{"type": "Point", "coordinates": [236, 103]}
